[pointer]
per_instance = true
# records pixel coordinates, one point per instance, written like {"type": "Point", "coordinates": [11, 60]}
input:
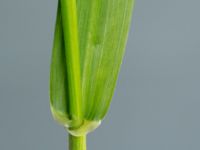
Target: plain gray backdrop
{"type": "Point", "coordinates": [156, 105]}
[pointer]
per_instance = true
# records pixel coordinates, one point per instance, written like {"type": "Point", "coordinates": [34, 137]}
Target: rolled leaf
{"type": "Point", "coordinates": [89, 43]}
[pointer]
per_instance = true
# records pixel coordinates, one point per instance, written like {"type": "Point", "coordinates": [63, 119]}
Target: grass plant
{"type": "Point", "coordinates": [89, 44]}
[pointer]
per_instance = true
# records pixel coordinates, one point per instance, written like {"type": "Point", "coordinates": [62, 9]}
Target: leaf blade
{"type": "Point", "coordinates": [107, 31]}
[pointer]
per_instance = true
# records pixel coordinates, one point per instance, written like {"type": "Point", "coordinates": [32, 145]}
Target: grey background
{"type": "Point", "coordinates": [156, 105]}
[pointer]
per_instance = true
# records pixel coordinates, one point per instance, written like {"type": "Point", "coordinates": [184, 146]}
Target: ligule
{"type": "Point", "coordinates": [89, 44]}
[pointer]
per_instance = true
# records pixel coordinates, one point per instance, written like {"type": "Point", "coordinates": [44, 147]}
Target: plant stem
{"type": "Point", "coordinates": [77, 143]}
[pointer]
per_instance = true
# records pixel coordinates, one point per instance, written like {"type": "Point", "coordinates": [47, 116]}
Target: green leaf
{"type": "Point", "coordinates": [89, 44]}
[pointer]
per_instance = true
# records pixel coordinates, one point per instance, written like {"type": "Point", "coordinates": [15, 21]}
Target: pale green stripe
{"type": "Point", "coordinates": [70, 28]}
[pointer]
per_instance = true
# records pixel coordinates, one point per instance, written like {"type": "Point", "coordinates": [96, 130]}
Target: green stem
{"type": "Point", "coordinates": [77, 143]}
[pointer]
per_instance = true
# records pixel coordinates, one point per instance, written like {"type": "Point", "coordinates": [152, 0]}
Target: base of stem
{"type": "Point", "coordinates": [77, 143]}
